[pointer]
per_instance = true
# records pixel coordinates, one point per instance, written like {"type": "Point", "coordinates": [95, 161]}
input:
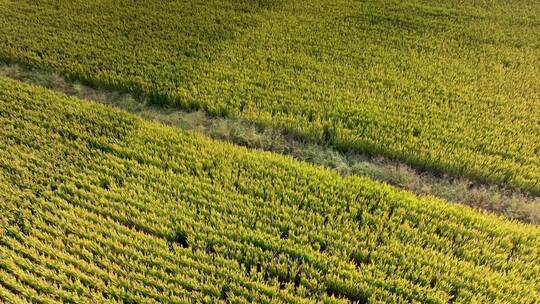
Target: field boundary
{"type": "Point", "coordinates": [510, 203]}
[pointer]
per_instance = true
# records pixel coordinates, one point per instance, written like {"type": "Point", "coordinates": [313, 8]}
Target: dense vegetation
{"type": "Point", "coordinates": [451, 86]}
{"type": "Point", "coordinates": [98, 205]}
{"type": "Point", "coordinates": [511, 204]}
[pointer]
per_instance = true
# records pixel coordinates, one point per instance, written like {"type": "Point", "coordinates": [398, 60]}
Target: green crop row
{"type": "Point", "coordinates": [446, 86]}
{"type": "Point", "coordinates": [99, 206]}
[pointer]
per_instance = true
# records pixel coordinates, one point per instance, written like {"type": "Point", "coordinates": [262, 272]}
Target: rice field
{"type": "Point", "coordinates": [445, 86]}
{"type": "Point", "coordinates": [99, 206]}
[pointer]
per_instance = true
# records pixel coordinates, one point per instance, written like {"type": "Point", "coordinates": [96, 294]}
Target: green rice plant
{"type": "Point", "coordinates": [102, 206]}
{"type": "Point", "coordinates": [445, 86]}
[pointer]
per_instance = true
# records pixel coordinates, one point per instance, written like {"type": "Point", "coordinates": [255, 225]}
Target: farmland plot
{"type": "Point", "coordinates": [446, 86]}
{"type": "Point", "coordinates": [100, 206]}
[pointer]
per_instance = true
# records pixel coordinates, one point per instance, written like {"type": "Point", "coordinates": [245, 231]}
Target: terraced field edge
{"type": "Point", "coordinates": [510, 203]}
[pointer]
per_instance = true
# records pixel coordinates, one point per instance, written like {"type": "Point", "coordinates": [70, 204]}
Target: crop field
{"type": "Point", "coordinates": [100, 206]}
{"type": "Point", "coordinates": [449, 86]}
